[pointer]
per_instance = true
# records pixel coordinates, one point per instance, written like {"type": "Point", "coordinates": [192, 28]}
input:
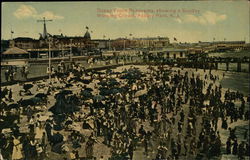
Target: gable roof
{"type": "Point", "coordinates": [15, 50]}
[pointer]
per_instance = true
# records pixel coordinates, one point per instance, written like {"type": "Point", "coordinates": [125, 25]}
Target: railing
{"type": "Point", "coordinates": [37, 70]}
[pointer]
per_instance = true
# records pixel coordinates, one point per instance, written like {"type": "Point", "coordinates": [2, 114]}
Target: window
{"type": "Point", "coordinates": [174, 56]}
{"type": "Point", "coordinates": [181, 54]}
{"type": "Point", "coordinates": [167, 54]}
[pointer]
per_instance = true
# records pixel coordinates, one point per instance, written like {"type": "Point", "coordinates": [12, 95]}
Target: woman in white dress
{"type": "Point", "coordinates": [17, 149]}
{"type": "Point", "coordinates": [1, 156]}
{"type": "Point", "coordinates": [38, 131]}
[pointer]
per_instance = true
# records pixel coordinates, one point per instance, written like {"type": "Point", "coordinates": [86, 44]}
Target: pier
{"type": "Point", "coordinates": [213, 63]}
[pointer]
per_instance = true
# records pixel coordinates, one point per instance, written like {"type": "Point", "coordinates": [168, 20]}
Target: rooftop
{"type": "Point", "coordinates": [170, 50]}
{"type": "Point", "coordinates": [87, 35]}
{"type": "Point", "coordinates": [24, 39]}
{"type": "Point", "coordinates": [15, 50]}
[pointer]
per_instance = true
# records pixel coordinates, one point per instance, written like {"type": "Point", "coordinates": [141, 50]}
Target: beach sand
{"type": "Point", "coordinates": [101, 149]}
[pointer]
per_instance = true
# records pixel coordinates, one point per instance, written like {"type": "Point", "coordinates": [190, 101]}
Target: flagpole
{"type": "Point", "coordinates": [70, 49]}
{"type": "Point", "coordinates": [11, 34]}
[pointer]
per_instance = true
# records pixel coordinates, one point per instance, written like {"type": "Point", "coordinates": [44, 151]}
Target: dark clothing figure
{"type": "Point", "coordinates": [224, 124]}
{"type": "Point", "coordinates": [241, 151]}
{"type": "Point", "coordinates": [33, 151]}
{"type": "Point", "coordinates": [7, 75]}
{"type": "Point", "coordinates": [10, 95]}
{"type": "Point", "coordinates": [228, 148]}
{"type": "Point", "coordinates": [9, 148]}
{"type": "Point", "coordinates": [235, 147]}
{"type": "Point", "coordinates": [48, 129]}
{"type": "Point", "coordinates": [131, 150]}
{"type": "Point", "coordinates": [89, 147]}
{"type": "Point", "coordinates": [142, 132]}
{"type": "Point", "coordinates": [232, 133]}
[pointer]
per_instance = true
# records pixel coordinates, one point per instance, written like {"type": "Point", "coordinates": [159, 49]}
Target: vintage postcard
{"type": "Point", "coordinates": [125, 80]}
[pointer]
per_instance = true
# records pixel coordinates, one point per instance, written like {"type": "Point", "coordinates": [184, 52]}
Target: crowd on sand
{"type": "Point", "coordinates": [169, 114]}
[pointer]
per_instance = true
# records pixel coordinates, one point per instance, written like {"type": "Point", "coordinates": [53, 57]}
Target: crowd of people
{"type": "Point", "coordinates": [11, 73]}
{"type": "Point", "coordinates": [171, 114]}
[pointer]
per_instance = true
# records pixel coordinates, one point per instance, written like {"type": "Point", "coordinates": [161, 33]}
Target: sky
{"type": "Point", "coordinates": [187, 21]}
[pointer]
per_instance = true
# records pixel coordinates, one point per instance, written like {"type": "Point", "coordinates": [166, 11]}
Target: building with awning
{"type": "Point", "coordinates": [171, 53]}
{"type": "Point", "coordinates": [15, 53]}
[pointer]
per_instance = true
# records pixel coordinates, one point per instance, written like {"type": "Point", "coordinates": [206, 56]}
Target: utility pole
{"type": "Point", "coordinates": [45, 34]}
{"type": "Point", "coordinates": [124, 45]}
{"type": "Point", "coordinates": [11, 34]}
{"type": "Point", "coordinates": [130, 40]}
{"type": "Point", "coordinates": [49, 61]}
{"type": "Point", "coordinates": [60, 48]}
{"type": "Point", "coordinates": [70, 49]}
{"type": "Point", "coordinates": [109, 44]}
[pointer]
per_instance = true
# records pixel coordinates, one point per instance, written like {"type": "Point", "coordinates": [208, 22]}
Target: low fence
{"type": "Point", "coordinates": [38, 71]}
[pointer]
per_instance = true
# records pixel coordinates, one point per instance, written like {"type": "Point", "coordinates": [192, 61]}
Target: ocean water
{"type": "Point", "coordinates": [237, 81]}
{"type": "Point", "coordinates": [232, 66]}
